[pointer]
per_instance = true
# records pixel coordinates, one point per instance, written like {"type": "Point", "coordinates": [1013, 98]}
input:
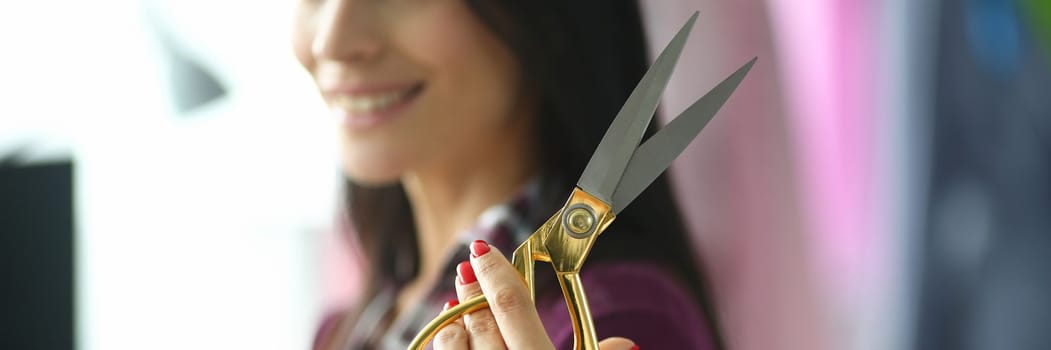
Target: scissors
{"type": "Point", "coordinates": [619, 170]}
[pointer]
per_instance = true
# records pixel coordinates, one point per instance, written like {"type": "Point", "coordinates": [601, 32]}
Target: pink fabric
{"type": "Point", "coordinates": [737, 181]}
{"type": "Point", "coordinates": [779, 188]}
{"type": "Point", "coordinates": [831, 61]}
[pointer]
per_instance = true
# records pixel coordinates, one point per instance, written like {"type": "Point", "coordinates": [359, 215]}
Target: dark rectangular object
{"type": "Point", "coordinates": [36, 256]}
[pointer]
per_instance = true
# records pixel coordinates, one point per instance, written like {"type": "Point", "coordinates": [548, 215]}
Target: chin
{"type": "Point", "coordinates": [371, 175]}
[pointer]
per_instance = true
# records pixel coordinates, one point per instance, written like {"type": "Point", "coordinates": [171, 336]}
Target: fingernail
{"type": "Point", "coordinates": [450, 304]}
{"type": "Point", "coordinates": [635, 347]}
{"type": "Point", "coordinates": [479, 248]}
{"type": "Point", "coordinates": [466, 273]}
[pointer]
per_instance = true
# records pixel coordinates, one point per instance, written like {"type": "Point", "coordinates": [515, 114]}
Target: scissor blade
{"type": "Point", "coordinates": [603, 172]}
{"type": "Point", "coordinates": [654, 156]}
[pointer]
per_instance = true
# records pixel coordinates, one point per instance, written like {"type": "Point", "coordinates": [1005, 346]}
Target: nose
{"type": "Point", "coordinates": [346, 32]}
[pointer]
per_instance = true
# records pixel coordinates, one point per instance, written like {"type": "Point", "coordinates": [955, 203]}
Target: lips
{"type": "Point", "coordinates": [368, 103]}
{"type": "Point", "coordinates": [368, 106]}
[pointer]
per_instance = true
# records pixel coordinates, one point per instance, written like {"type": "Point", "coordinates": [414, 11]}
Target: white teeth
{"type": "Point", "coordinates": [367, 103]}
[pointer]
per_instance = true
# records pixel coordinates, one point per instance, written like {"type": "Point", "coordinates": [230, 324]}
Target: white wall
{"type": "Point", "coordinates": [197, 231]}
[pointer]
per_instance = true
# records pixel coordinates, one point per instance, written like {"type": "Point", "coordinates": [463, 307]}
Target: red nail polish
{"type": "Point", "coordinates": [479, 248]}
{"type": "Point", "coordinates": [466, 273]}
{"type": "Point", "coordinates": [635, 347]}
{"type": "Point", "coordinates": [450, 304]}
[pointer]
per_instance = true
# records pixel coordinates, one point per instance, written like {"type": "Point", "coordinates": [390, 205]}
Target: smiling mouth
{"type": "Point", "coordinates": [367, 104]}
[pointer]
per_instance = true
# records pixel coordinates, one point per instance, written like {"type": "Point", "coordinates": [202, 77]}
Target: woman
{"type": "Point", "coordinates": [469, 120]}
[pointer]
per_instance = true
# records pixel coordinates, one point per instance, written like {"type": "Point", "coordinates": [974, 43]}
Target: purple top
{"type": "Point", "coordinates": [637, 300]}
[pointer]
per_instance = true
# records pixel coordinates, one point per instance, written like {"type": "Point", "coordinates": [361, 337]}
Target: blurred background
{"type": "Point", "coordinates": [882, 179]}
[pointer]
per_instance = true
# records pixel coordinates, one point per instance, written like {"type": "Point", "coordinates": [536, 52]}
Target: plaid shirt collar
{"type": "Point", "coordinates": [503, 226]}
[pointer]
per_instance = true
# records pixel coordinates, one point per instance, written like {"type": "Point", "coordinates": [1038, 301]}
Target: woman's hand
{"type": "Point", "coordinates": [511, 321]}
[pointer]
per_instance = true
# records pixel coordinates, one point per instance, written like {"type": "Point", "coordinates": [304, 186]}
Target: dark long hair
{"type": "Point", "coordinates": [581, 59]}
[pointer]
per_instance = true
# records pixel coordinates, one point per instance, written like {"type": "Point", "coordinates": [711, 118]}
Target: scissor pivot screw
{"type": "Point", "coordinates": [580, 221]}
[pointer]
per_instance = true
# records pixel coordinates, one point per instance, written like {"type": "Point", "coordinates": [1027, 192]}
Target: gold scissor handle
{"type": "Point", "coordinates": [445, 318]}
{"type": "Point", "coordinates": [579, 312]}
{"type": "Point", "coordinates": [564, 241]}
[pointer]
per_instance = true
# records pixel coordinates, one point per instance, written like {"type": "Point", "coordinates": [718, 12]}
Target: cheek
{"type": "Point", "coordinates": [474, 77]}
{"type": "Point", "coordinates": [303, 29]}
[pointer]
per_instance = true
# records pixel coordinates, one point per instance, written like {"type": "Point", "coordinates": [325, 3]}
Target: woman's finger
{"type": "Point", "coordinates": [509, 299]}
{"type": "Point", "coordinates": [617, 343]}
{"type": "Point", "coordinates": [482, 331]}
{"type": "Point", "coordinates": [453, 336]}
